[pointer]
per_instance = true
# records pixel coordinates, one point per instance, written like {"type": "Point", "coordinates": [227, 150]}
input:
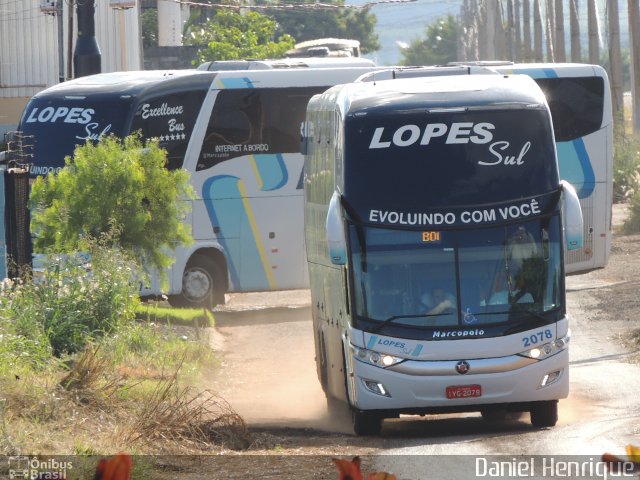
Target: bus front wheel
{"type": "Point", "coordinates": [201, 281]}
{"type": "Point", "coordinates": [544, 414]}
{"type": "Point", "coordinates": [366, 423]}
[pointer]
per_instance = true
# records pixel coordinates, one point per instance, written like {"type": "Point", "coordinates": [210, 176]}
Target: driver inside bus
{"type": "Point", "coordinates": [438, 301]}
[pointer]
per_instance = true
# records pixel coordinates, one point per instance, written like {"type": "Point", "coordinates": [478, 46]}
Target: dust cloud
{"type": "Point", "coordinates": [268, 373]}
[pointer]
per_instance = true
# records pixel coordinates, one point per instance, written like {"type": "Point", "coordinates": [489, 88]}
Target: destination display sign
{"type": "Point", "coordinates": [443, 161]}
{"type": "Point", "coordinates": [456, 217]}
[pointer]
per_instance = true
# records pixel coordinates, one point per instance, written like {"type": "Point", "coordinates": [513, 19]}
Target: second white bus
{"type": "Point", "coordinates": [236, 132]}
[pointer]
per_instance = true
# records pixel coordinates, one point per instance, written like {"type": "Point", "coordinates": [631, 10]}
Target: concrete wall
{"type": "Point", "coordinates": [167, 58]}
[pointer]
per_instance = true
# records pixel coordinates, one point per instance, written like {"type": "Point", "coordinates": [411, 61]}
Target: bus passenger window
{"type": "Point", "coordinates": [229, 128]}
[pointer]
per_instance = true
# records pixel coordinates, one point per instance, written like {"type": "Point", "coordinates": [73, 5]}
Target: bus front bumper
{"type": "Point", "coordinates": [375, 388]}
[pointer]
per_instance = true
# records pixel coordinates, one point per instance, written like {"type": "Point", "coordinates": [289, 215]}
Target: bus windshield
{"type": "Point", "coordinates": [58, 125]}
{"type": "Point", "coordinates": [420, 280]}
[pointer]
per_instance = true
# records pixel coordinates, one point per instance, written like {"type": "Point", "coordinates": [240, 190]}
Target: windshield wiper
{"type": "Point", "coordinates": [525, 322]}
{"type": "Point", "coordinates": [393, 318]}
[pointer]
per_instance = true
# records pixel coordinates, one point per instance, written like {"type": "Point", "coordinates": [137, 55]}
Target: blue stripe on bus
{"type": "Point", "coordinates": [272, 172]}
{"type": "Point", "coordinates": [249, 268]}
{"type": "Point", "coordinates": [244, 252]}
{"type": "Point", "coordinates": [235, 82]}
{"type": "Point", "coordinates": [536, 72]}
{"type": "Point", "coordinates": [575, 166]}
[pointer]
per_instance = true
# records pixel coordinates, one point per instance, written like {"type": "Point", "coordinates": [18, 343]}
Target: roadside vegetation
{"type": "Point", "coordinates": [80, 375]}
{"type": "Point", "coordinates": [626, 179]}
{"type": "Point", "coordinates": [85, 367]}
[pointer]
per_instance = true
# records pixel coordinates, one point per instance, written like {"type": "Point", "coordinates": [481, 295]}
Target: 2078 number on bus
{"type": "Point", "coordinates": [464, 391]}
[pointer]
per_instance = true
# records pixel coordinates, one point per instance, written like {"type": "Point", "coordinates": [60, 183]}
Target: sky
{"type": "Point", "coordinates": [401, 21]}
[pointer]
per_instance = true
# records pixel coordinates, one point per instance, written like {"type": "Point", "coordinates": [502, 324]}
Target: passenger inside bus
{"type": "Point", "coordinates": [438, 301]}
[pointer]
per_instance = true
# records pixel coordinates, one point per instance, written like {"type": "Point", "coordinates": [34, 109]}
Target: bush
{"type": "Point", "coordinates": [625, 166]}
{"type": "Point", "coordinates": [632, 223]}
{"type": "Point", "coordinates": [67, 304]}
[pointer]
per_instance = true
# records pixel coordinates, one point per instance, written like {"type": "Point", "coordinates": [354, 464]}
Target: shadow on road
{"type": "Point", "coordinates": [262, 317]}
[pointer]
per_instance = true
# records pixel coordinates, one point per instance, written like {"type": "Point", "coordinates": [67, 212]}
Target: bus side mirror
{"type": "Point", "coordinates": [573, 226]}
{"type": "Point", "coordinates": [336, 240]}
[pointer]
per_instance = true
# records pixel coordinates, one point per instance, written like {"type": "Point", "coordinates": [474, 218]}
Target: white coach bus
{"type": "Point", "coordinates": [434, 220]}
{"type": "Point", "coordinates": [236, 132]}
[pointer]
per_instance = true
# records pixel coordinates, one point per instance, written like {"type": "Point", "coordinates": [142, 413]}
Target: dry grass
{"type": "Point", "coordinates": [182, 416]}
{"type": "Point", "coordinates": [91, 379]}
{"type": "Point", "coordinates": [92, 407]}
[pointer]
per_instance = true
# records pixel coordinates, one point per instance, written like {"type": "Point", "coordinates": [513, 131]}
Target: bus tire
{"type": "Point", "coordinates": [201, 281]}
{"type": "Point", "coordinates": [544, 414]}
{"type": "Point", "coordinates": [366, 423]}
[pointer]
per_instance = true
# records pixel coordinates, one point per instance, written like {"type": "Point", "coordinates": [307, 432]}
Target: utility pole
{"type": "Point", "coordinates": [60, 20]}
{"type": "Point", "coordinates": [86, 58]}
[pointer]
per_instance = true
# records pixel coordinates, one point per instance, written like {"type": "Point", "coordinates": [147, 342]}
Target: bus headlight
{"type": "Point", "coordinates": [376, 359]}
{"type": "Point", "coordinates": [547, 350]}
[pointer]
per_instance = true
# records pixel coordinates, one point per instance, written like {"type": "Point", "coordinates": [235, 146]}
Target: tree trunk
{"type": "Point", "coordinates": [550, 30]}
{"type": "Point", "coordinates": [559, 50]}
{"type": "Point", "coordinates": [615, 59]}
{"type": "Point", "coordinates": [576, 48]}
{"type": "Point", "coordinates": [592, 23]}
{"type": "Point", "coordinates": [526, 30]}
{"type": "Point", "coordinates": [537, 31]}
{"type": "Point", "coordinates": [634, 33]}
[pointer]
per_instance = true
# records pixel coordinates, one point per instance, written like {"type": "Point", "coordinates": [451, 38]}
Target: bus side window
{"type": "Point", "coordinates": [231, 126]}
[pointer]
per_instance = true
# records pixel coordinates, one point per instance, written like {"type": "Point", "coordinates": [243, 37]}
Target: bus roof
{"type": "Point", "coordinates": [307, 62]}
{"type": "Point", "coordinates": [142, 84]}
{"type": "Point", "coordinates": [126, 83]}
{"type": "Point", "coordinates": [498, 91]}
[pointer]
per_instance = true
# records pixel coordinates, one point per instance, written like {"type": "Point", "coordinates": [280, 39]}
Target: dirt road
{"type": "Point", "coordinates": [268, 375]}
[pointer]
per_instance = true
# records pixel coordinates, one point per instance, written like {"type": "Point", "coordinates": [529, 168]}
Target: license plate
{"type": "Point", "coordinates": [464, 391]}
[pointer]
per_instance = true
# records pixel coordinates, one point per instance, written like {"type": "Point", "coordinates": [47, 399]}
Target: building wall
{"type": "Point", "coordinates": [168, 58]}
{"type": "Point", "coordinates": [30, 53]}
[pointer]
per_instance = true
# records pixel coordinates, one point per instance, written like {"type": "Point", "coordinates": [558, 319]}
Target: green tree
{"type": "Point", "coordinates": [230, 36]}
{"type": "Point", "coordinates": [149, 22]}
{"type": "Point", "coordinates": [437, 48]}
{"type": "Point", "coordinates": [117, 186]}
{"type": "Point", "coordinates": [308, 24]}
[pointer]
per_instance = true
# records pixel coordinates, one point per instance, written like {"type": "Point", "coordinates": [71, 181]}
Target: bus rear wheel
{"type": "Point", "coordinates": [201, 281]}
{"type": "Point", "coordinates": [366, 423]}
{"type": "Point", "coordinates": [544, 414]}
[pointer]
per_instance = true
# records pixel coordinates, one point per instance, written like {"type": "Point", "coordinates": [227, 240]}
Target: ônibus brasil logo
{"type": "Point", "coordinates": [32, 468]}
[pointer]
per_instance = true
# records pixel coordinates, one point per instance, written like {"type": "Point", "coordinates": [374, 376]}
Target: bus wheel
{"type": "Point", "coordinates": [366, 423]}
{"type": "Point", "coordinates": [544, 414]}
{"type": "Point", "coordinates": [200, 280]}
